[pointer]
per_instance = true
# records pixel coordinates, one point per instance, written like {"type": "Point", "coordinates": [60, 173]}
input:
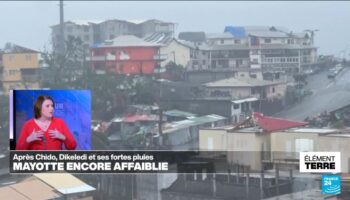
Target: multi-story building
{"type": "Point", "coordinates": [264, 48]}
{"type": "Point", "coordinates": [87, 31]}
{"type": "Point", "coordinates": [20, 67]}
{"type": "Point", "coordinates": [97, 31]}
{"type": "Point", "coordinates": [277, 48]}
{"type": "Point", "coordinates": [245, 88]}
{"type": "Point", "coordinates": [126, 54]}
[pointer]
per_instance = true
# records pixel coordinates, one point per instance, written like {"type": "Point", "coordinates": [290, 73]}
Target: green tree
{"type": "Point", "coordinates": [177, 72]}
{"type": "Point", "coordinates": [110, 92]}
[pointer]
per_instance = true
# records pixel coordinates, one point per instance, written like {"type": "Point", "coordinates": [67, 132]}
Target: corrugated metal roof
{"type": "Point", "coordinates": [245, 100]}
{"type": "Point", "coordinates": [159, 37]}
{"type": "Point", "coordinates": [10, 193]}
{"type": "Point", "coordinates": [36, 189]}
{"type": "Point", "coordinates": [282, 46]}
{"type": "Point", "coordinates": [14, 48]}
{"type": "Point", "coordinates": [312, 130]}
{"type": "Point", "coordinates": [271, 124]}
{"type": "Point", "coordinates": [265, 28]}
{"type": "Point", "coordinates": [192, 36]}
{"type": "Point", "coordinates": [219, 35]}
{"type": "Point", "coordinates": [274, 34]}
{"type": "Point", "coordinates": [178, 113]}
{"type": "Point", "coordinates": [241, 82]}
{"type": "Point", "coordinates": [207, 119]}
{"type": "Point", "coordinates": [84, 22]}
{"type": "Point", "coordinates": [192, 122]}
{"type": "Point", "coordinates": [64, 182]}
{"type": "Point", "coordinates": [136, 21]}
{"type": "Point", "coordinates": [127, 41]}
{"type": "Point", "coordinates": [228, 47]}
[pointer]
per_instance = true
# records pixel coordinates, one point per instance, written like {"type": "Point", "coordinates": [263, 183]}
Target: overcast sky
{"type": "Point", "coordinates": [28, 23]}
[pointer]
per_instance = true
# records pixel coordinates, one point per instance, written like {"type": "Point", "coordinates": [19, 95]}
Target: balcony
{"type": "Point", "coordinates": [160, 57]}
{"type": "Point", "coordinates": [109, 57]}
{"type": "Point", "coordinates": [275, 60]}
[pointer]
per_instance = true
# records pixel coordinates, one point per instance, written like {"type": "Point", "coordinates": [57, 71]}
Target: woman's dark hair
{"type": "Point", "coordinates": [39, 103]}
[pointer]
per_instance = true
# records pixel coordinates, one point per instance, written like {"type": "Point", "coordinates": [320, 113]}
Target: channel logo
{"type": "Point", "coordinates": [320, 162]}
{"type": "Point", "coordinates": [331, 184]}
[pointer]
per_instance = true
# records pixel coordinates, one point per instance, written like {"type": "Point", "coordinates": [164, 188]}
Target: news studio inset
{"type": "Point", "coordinates": [50, 120]}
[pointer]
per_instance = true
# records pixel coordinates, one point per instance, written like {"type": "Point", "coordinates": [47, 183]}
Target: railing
{"type": "Point", "coordinates": [160, 57]}
{"type": "Point", "coordinates": [267, 60]}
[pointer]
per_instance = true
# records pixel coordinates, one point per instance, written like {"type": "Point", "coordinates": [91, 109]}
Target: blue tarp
{"type": "Point", "coordinates": [236, 31]}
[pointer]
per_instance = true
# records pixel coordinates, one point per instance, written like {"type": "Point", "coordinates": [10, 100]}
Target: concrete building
{"type": "Point", "coordinates": [245, 88]}
{"type": "Point", "coordinates": [20, 67]}
{"type": "Point", "coordinates": [256, 47]}
{"type": "Point", "coordinates": [183, 135]}
{"type": "Point", "coordinates": [97, 31]}
{"type": "Point", "coordinates": [208, 186]}
{"type": "Point", "coordinates": [277, 48]}
{"type": "Point", "coordinates": [267, 141]}
{"type": "Point", "coordinates": [126, 54]}
{"type": "Point", "coordinates": [86, 30]}
{"type": "Point", "coordinates": [178, 52]}
{"type": "Point", "coordinates": [296, 140]}
{"type": "Point", "coordinates": [248, 143]}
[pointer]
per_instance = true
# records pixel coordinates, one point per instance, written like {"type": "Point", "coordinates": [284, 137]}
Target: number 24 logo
{"type": "Point", "coordinates": [327, 182]}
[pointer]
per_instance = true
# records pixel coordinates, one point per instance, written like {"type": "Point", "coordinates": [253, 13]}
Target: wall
{"type": "Point", "coordinates": [245, 148]}
{"type": "Point", "coordinates": [287, 142]}
{"type": "Point", "coordinates": [212, 140]}
{"type": "Point", "coordinates": [13, 63]}
{"type": "Point", "coordinates": [280, 90]}
{"type": "Point", "coordinates": [237, 92]}
{"type": "Point", "coordinates": [135, 60]}
{"type": "Point", "coordinates": [180, 52]}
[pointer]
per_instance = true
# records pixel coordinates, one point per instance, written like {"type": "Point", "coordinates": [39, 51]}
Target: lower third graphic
{"type": "Point", "coordinates": [331, 184]}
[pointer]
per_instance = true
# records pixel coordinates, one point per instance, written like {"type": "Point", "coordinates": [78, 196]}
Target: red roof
{"type": "Point", "coordinates": [270, 124]}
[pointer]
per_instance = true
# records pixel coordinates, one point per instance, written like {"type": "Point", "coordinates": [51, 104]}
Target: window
{"type": "Point", "coordinates": [86, 29]}
{"type": "Point", "coordinates": [268, 40]}
{"type": "Point", "coordinates": [273, 89]}
{"type": "Point", "coordinates": [237, 41]}
{"type": "Point", "coordinates": [235, 106]}
{"type": "Point", "coordinates": [28, 57]}
{"type": "Point", "coordinates": [302, 145]}
{"type": "Point", "coordinates": [253, 76]}
{"type": "Point", "coordinates": [86, 37]}
{"type": "Point", "coordinates": [222, 41]}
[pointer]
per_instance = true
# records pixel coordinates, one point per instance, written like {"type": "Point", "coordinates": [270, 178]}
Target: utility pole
{"type": "Point", "coordinates": [61, 44]}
